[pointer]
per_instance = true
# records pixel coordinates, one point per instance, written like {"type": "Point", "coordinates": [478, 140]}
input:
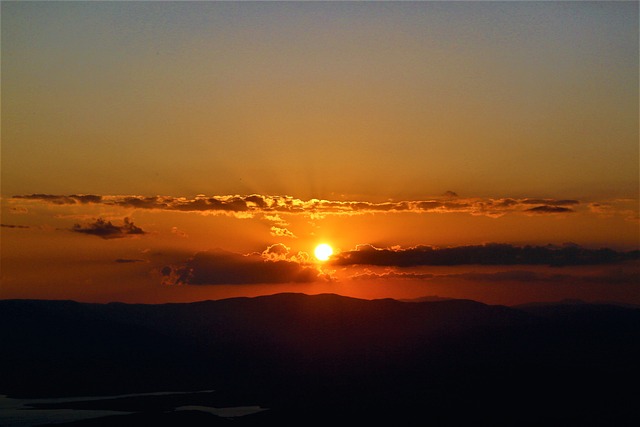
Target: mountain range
{"type": "Point", "coordinates": [314, 359]}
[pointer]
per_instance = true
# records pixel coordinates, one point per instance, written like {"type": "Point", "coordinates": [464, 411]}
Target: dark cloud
{"type": "Point", "coordinates": [86, 198]}
{"type": "Point", "coordinates": [14, 226]}
{"type": "Point", "coordinates": [222, 267]}
{"type": "Point", "coordinates": [128, 261]}
{"type": "Point", "coordinates": [491, 254]}
{"type": "Point", "coordinates": [64, 200]}
{"type": "Point", "coordinates": [106, 230]}
{"type": "Point", "coordinates": [549, 209]}
{"type": "Point", "coordinates": [254, 203]}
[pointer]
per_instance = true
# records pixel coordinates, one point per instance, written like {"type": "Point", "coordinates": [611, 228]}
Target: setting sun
{"type": "Point", "coordinates": [323, 252]}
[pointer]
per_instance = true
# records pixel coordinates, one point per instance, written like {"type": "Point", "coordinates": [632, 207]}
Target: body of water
{"type": "Point", "coordinates": [21, 413]}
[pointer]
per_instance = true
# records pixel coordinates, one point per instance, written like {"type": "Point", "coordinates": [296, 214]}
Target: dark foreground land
{"type": "Point", "coordinates": [314, 360]}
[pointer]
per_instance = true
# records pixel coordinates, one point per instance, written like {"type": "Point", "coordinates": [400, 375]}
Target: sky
{"type": "Point", "coordinates": [180, 151]}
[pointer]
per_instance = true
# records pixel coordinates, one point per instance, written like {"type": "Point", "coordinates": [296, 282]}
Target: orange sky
{"type": "Point", "coordinates": [238, 127]}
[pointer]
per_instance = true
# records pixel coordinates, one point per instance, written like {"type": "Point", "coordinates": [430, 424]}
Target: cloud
{"type": "Point", "coordinates": [280, 251]}
{"type": "Point", "coordinates": [490, 254]}
{"type": "Point", "coordinates": [281, 232]}
{"type": "Point", "coordinates": [623, 207]}
{"type": "Point", "coordinates": [369, 275]}
{"type": "Point", "coordinates": [178, 232]}
{"type": "Point", "coordinates": [106, 230]}
{"type": "Point", "coordinates": [627, 276]}
{"type": "Point", "coordinates": [128, 261]}
{"type": "Point", "coordinates": [549, 209]}
{"type": "Point", "coordinates": [500, 276]}
{"type": "Point", "coordinates": [63, 200]}
{"type": "Point", "coordinates": [14, 226]}
{"type": "Point", "coordinates": [271, 206]}
{"type": "Point", "coordinates": [222, 267]}
{"type": "Point", "coordinates": [276, 252]}
{"type": "Point", "coordinates": [549, 202]}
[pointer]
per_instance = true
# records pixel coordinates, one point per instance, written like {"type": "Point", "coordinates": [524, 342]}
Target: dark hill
{"type": "Point", "coordinates": [328, 357]}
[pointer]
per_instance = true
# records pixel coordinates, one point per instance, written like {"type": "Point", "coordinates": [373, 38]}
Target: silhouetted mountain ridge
{"type": "Point", "coordinates": [297, 353]}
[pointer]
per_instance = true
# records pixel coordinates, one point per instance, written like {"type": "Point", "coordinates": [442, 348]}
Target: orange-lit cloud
{"type": "Point", "coordinates": [272, 205]}
{"type": "Point", "coordinates": [281, 252]}
{"type": "Point", "coordinates": [281, 232]}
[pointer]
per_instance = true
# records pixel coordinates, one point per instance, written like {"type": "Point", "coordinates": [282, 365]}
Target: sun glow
{"type": "Point", "coordinates": [323, 252]}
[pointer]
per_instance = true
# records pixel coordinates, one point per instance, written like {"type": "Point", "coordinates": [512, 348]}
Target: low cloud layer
{"type": "Point", "coordinates": [106, 230]}
{"type": "Point", "coordinates": [274, 265]}
{"type": "Point", "coordinates": [272, 205]}
{"type": "Point", "coordinates": [613, 277]}
{"type": "Point", "coordinates": [491, 254]}
{"type": "Point", "coordinates": [14, 226]}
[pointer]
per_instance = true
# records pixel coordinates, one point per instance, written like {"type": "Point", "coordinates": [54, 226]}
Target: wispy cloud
{"type": "Point", "coordinates": [14, 226]}
{"type": "Point", "coordinates": [128, 260]}
{"type": "Point", "coordinates": [624, 207]}
{"type": "Point", "coordinates": [370, 275]}
{"type": "Point", "coordinates": [281, 232]}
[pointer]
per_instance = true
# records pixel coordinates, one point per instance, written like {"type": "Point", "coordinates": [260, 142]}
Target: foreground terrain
{"type": "Point", "coordinates": [326, 358]}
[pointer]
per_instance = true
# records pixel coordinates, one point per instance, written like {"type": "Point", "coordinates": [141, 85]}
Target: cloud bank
{"type": "Point", "coordinates": [274, 265]}
{"type": "Point", "coordinates": [490, 254]}
{"type": "Point", "coordinates": [614, 277]}
{"type": "Point", "coordinates": [272, 205]}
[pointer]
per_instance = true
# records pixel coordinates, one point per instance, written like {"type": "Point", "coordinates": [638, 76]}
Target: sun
{"type": "Point", "coordinates": [323, 252]}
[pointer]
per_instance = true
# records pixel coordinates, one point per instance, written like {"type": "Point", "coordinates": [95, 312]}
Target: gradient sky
{"type": "Point", "coordinates": [411, 123]}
